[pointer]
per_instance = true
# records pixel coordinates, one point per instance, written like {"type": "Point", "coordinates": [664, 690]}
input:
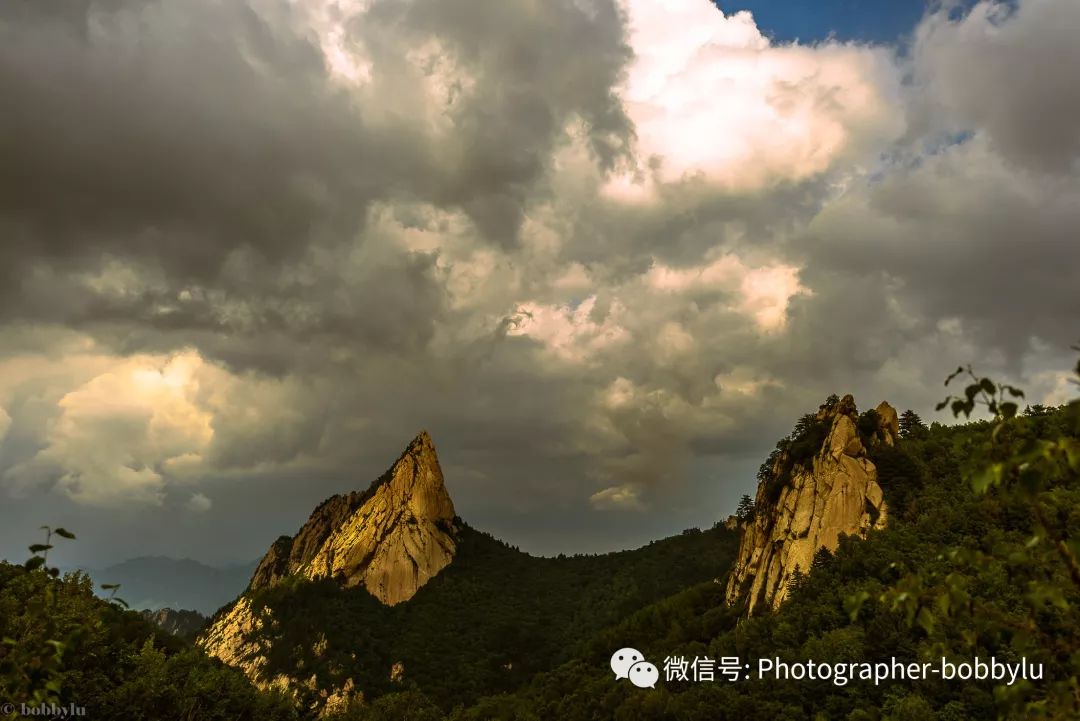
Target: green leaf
{"type": "Point", "coordinates": [110, 586]}
{"type": "Point", "coordinates": [988, 385]}
{"type": "Point", "coordinates": [1008, 409]}
{"type": "Point", "coordinates": [854, 603]}
{"type": "Point", "coordinates": [1074, 546]}
{"type": "Point", "coordinates": [926, 621]}
{"type": "Point", "coordinates": [39, 547]}
{"type": "Point", "coordinates": [1072, 452]}
{"type": "Point", "coordinates": [990, 476]}
{"type": "Point", "coordinates": [33, 563]}
{"type": "Point", "coordinates": [64, 533]}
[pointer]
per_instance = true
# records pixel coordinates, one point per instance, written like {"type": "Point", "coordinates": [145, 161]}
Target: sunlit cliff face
{"type": "Point", "coordinates": [612, 245]}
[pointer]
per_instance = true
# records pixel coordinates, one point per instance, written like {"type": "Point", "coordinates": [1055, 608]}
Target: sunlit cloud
{"type": "Point", "coordinates": [199, 503]}
{"type": "Point", "coordinates": [709, 94]}
{"type": "Point", "coordinates": [618, 498]}
{"type": "Point", "coordinates": [114, 435]}
{"type": "Point", "coordinates": [569, 332]}
{"type": "Point", "coordinates": [763, 292]}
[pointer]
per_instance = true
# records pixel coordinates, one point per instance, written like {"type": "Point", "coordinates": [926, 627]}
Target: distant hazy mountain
{"type": "Point", "coordinates": [156, 582]}
{"type": "Point", "coordinates": [185, 624]}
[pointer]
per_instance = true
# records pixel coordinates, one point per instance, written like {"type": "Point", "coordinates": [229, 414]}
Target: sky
{"type": "Point", "coordinates": [604, 251]}
{"type": "Point", "coordinates": [810, 21]}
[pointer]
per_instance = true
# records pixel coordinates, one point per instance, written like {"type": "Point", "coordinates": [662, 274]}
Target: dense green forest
{"type": "Point", "coordinates": [979, 559]}
{"type": "Point", "coordinates": [488, 622]}
{"type": "Point", "coordinates": [63, 645]}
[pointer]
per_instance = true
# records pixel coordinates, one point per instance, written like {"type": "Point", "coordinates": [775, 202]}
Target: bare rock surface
{"type": "Point", "coordinates": [392, 538]}
{"type": "Point", "coordinates": [835, 493]}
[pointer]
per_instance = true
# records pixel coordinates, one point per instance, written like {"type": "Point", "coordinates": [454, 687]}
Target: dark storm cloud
{"type": "Point", "coordinates": [1001, 69]}
{"type": "Point", "coordinates": [204, 147]}
{"type": "Point", "coordinates": [964, 237]}
{"type": "Point", "coordinates": [345, 261]}
{"type": "Point", "coordinates": [690, 220]}
{"type": "Point", "coordinates": [181, 132]}
{"type": "Point", "coordinates": [177, 132]}
{"type": "Point", "coordinates": [531, 68]}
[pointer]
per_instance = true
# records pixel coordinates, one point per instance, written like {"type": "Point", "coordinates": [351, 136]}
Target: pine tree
{"type": "Point", "coordinates": [796, 582]}
{"type": "Point", "coordinates": [745, 510]}
{"type": "Point", "coordinates": [911, 425]}
{"type": "Point", "coordinates": [821, 558]}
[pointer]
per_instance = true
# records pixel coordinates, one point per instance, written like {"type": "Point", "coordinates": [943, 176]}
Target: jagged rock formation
{"type": "Point", "coordinates": [392, 538]}
{"type": "Point", "coordinates": [233, 636]}
{"type": "Point", "coordinates": [804, 504]}
{"type": "Point", "coordinates": [185, 624]}
{"type": "Point", "coordinates": [889, 428]}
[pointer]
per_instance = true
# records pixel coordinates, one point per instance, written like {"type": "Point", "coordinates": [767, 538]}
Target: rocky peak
{"type": "Point", "coordinates": [889, 423]}
{"type": "Point", "coordinates": [185, 624]}
{"type": "Point", "coordinates": [392, 537]}
{"type": "Point", "coordinates": [818, 485]}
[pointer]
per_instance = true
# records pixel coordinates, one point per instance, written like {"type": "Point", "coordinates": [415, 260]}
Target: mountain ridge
{"type": "Point", "coordinates": [328, 615]}
{"type": "Point", "coordinates": [154, 582]}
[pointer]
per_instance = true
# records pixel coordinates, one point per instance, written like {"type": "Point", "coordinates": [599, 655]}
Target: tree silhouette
{"type": "Point", "coordinates": [911, 425]}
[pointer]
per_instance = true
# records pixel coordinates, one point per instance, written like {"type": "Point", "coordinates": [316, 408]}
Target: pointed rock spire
{"type": "Point", "coordinates": [393, 537]}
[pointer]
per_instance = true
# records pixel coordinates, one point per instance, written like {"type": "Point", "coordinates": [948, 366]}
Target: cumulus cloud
{"type": "Point", "coordinates": [604, 251]}
{"type": "Point", "coordinates": [626, 497]}
{"type": "Point", "coordinates": [115, 436]}
{"type": "Point", "coordinates": [993, 71]}
{"type": "Point", "coordinates": [116, 431]}
{"type": "Point", "coordinates": [571, 333]}
{"type": "Point", "coordinates": [199, 503]}
{"type": "Point", "coordinates": [710, 94]}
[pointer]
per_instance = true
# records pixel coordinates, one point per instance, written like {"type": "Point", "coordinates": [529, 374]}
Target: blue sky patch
{"type": "Point", "coordinates": [878, 21]}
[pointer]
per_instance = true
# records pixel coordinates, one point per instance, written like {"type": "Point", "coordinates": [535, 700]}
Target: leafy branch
{"type": "Point", "coordinates": [40, 551]}
{"type": "Point", "coordinates": [981, 391]}
{"type": "Point", "coordinates": [1038, 476]}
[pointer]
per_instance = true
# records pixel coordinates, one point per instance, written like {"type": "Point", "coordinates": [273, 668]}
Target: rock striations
{"type": "Point", "coordinates": [392, 538]}
{"type": "Point", "coordinates": [806, 504]}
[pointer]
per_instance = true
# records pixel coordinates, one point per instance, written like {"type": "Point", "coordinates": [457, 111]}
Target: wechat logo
{"type": "Point", "coordinates": [630, 663]}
